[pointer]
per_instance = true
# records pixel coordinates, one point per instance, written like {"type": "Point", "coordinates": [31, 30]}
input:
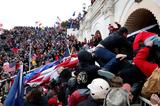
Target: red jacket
{"type": "Point", "coordinates": [142, 36]}
{"type": "Point", "coordinates": [78, 96]}
{"type": "Point", "coordinates": [140, 61]}
{"type": "Point", "coordinates": [53, 101]}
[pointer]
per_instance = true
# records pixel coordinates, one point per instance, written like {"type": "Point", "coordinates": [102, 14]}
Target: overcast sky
{"type": "Point", "coordinates": [27, 12]}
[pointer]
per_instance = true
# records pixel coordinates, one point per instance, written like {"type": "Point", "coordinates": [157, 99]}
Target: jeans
{"type": "Point", "coordinates": [107, 59]}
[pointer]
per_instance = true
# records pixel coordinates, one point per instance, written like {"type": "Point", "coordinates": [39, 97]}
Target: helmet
{"type": "Point", "coordinates": [99, 88]}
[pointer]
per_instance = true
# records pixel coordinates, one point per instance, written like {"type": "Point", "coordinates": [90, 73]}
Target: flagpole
{"type": "Point", "coordinates": [21, 76]}
{"type": "Point", "coordinates": [30, 50]}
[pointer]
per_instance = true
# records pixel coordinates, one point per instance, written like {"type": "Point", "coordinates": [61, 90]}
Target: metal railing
{"type": "Point", "coordinates": [144, 101]}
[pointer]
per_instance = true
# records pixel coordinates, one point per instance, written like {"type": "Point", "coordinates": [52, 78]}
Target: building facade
{"type": "Point", "coordinates": [133, 14]}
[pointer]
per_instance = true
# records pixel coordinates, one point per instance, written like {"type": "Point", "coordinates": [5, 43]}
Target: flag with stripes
{"type": "Point", "coordinates": [9, 67]}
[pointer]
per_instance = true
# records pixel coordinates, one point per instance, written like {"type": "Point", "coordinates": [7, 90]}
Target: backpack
{"type": "Point", "coordinates": [117, 97]}
{"type": "Point", "coordinates": [152, 85]}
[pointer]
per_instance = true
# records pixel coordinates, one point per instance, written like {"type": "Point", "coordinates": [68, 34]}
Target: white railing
{"type": "Point", "coordinates": [144, 101]}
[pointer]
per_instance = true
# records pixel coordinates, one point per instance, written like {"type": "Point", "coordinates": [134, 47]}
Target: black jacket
{"type": "Point", "coordinates": [117, 43]}
{"type": "Point", "coordinates": [87, 69]}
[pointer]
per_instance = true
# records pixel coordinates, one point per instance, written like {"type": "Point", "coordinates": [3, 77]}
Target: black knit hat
{"type": "Point", "coordinates": [84, 56]}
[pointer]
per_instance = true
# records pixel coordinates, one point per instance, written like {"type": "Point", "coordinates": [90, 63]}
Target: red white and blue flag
{"type": "Point", "coordinates": [35, 72]}
{"type": "Point", "coordinates": [40, 77]}
{"type": "Point", "coordinates": [43, 77]}
{"type": "Point", "coordinates": [9, 67]}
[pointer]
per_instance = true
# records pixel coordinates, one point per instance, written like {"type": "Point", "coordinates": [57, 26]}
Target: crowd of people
{"type": "Point", "coordinates": [74, 23]}
{"type": "Point", "coordinates": [110, 72]}
{"type": "Point", "coordinates": [41, 45]}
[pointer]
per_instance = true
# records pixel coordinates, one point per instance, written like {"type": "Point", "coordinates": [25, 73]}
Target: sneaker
{"type": "Point", "coordinates": [106, 74]}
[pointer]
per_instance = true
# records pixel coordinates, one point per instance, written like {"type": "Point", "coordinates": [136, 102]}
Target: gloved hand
{"type": "Point", "coordinates": [149, 44]}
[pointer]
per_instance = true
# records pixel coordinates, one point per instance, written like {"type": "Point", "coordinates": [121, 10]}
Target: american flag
{"type": "Point", "coordinates": [41, 76]}
{"type": "Point", "coordinates": [9, 67]}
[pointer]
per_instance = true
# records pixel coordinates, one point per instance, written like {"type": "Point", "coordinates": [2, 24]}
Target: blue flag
{"type": "Point", "coordinates": [16, 93]}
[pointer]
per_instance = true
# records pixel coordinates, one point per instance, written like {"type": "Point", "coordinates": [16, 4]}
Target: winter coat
{"type": "Point", "coordinates": [141, 62]}
{"type": "Point", "coordinates": [141, 37]}
{"type": "Point", "coordinates": [78, 96]}
{"type": "Point", "coordinates": [117, 43]}
{"type": "Point", "coordinates": [87, 70]}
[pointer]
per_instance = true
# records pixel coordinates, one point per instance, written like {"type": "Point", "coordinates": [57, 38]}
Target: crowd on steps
{"type": "Point", "coordinates": [113, 71]}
